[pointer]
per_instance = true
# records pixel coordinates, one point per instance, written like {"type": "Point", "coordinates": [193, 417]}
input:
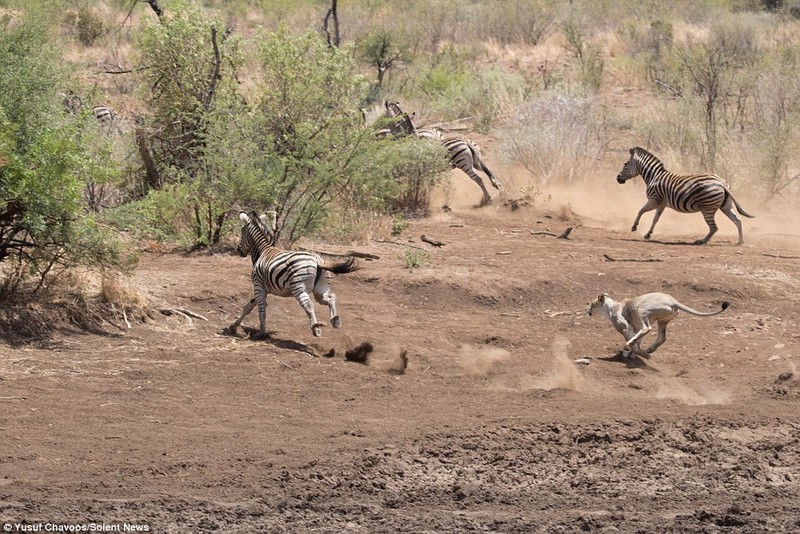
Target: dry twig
{"type": "Point", "coordinates": [645, 260]}
{"type": "Point", "coordinates": [433, 242]}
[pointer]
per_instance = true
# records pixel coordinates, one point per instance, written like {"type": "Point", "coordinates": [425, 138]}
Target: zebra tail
{"type": "Point", "coordinates": [740, 210]}
{"type": "Point", "coordinates": [347, 266]}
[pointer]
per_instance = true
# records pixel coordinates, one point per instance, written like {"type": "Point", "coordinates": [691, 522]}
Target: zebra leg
{"type": "Point", "coordinates": [261, 298]}
{"type": "Point", "coordinates": [328, 298]}
{"type": "Point", "coordinates": [708, 215]}
{"type": "Point", "coordinates": [324, 295]}
{"type": "Point", "coordinates": [650, 206]}
{"type": "Point", "coordinates": [481, 166]}
{"type": "Point", "coordinates": [305, 302]}
{"type": "Point", "coordinates": [727, 209]}
{"type": "Point", "coordinates": [245, 312]}
{"type": "Point", "coordinates": [477, 179]}
{"type": "Point", "coordinates": [656, 217]}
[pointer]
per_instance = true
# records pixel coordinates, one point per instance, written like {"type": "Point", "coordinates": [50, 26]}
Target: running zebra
{"type": "Point", "coordinates": [286, 274]}
{"type": "Point", "coordinates": [687, 194]}
{"type": "Point", "coordinates": [463, 154]}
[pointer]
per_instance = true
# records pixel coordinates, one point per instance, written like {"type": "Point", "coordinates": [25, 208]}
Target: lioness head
{"type": "Point", "coordinates": [596, 304]}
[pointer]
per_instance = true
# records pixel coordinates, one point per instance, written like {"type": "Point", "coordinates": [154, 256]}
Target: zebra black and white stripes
{"type": "Point", "coordinates": [691, 193]}
{"type": "Point", "coordinates": [463, 154]}
{"type": "Point", "coordinates": [105, 116]}
{"type": "Point", "coordinates": [286, 273]}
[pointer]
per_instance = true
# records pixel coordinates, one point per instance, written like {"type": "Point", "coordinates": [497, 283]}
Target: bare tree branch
{"type": "Point", "coordinates": [332, 15]}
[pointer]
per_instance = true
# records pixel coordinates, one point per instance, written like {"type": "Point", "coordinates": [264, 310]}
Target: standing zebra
{"type": "Point", "coordinates": [286, 273]}
{"type": "Point", "coordinates": [684, 193]}
{"type": "Point", "coordinates": [463, 154]}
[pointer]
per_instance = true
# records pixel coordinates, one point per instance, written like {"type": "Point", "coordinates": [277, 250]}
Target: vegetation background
{"type": "Point", "coordinates": [247, 104]}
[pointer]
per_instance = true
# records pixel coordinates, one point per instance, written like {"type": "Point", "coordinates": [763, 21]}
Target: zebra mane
{"type": "Point", "coordinates": [258, 225]}
{"type": "Point", "coordinates": [646, 159]}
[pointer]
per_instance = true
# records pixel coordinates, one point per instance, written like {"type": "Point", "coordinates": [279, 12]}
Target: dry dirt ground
{"type": "Point", "coordinates": [493, 427]}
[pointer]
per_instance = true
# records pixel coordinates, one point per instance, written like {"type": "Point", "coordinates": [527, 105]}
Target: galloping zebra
{"type": "Point", "coordinates": [684, 193]}
{"type": "Point", "coordinates": [286, 273]}
{"type": "Point", "coordinates": [463, 154]}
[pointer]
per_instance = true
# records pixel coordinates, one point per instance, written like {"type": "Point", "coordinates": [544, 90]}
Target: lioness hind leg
{"type": "Point", "coordinates": [662, 337]}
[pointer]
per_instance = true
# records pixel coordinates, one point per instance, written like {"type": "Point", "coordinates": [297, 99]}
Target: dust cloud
{"type": "Point", "coordinates": [480, 361]}
{"type": "Point", "coordinates": [563, 374]}
{"type": "Point", "coordinates": [598, 200]}
{"type": "Point", "coordinates": [682, 393]}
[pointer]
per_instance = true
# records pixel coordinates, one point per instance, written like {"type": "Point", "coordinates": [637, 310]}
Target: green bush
{"type": "Point", "coordinates": [46, 159]}
{"type": "Point", "coordinates": [89, 26]}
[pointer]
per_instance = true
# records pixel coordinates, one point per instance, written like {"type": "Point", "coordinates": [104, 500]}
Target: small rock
{"type": "Point", "coordinates": [583, 361]}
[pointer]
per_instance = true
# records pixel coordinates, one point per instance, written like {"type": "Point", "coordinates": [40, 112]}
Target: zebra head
{"type": "Point", "coordinates": [641, 163]}
{"type": "Point", "coordinates": [392, 109]}
{"type": "Point", "coordinates": [256, 233]}
{"type": "Point", "coordinates": [631, 169]}
{"type": "Point", "coordinates": [245, 239]}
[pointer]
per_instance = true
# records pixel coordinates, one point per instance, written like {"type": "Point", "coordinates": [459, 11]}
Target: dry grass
{"type": "Point", "coordinates": [77, 300]}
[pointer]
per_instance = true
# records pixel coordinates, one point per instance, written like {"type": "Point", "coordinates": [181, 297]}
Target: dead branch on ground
{"type": "Point", "coordinates": [643, 260]}
{"type": "Point", "coordinates": [780, 257]}
{"type": "Point", "coordinates": [433, 242]}
{"type": "Point", "coordinates": [188, 314]}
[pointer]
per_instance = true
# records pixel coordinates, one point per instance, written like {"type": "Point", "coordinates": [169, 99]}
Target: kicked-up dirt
{"type": "Point", "coordinates": [490, 426]}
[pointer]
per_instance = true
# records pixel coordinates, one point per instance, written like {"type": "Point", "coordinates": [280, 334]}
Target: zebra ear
{"type": "Point", "coordinates": [244, 217]}
{"type": "Point", "coordinates": [631, 151]}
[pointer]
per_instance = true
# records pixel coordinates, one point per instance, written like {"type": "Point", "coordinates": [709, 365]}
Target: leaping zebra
{"type": "Point", "coordinates": [286, 274]}
{"type": "Point", "coordinates": [684, 193]}
{"type": "Point", "coordinates": [463, 154]}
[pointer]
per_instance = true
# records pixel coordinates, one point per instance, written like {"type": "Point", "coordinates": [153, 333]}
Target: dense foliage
{"type": "Point", "coordinates": [47, 158]}
{"type": "Point", "coordinates": [245, 105]}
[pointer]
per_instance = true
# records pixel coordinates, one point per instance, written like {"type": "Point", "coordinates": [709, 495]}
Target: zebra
{"type": "Point", "coordinates": [691, 193]}
{"type": "Point", "coordinates": [106, 117]}
{"type": "Point", "coordinates": [399, 123]}
{"type": "Point", "coordinates": [463, 154]}
{"type": "Point", "coordinates": [286, 273]}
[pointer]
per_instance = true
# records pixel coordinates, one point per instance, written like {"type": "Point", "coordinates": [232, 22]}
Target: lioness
{"type": "Point", "coordinates": [632, 317]}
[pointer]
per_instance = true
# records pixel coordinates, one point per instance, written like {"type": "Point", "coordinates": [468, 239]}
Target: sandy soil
{"type": "Point", "coordinates": [493, 427]}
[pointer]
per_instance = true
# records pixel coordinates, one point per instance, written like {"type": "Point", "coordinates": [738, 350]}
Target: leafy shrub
{"type": "Point", "coordinates": [89, 26]}
{"type": "Point", "coordinates": [45, 162]}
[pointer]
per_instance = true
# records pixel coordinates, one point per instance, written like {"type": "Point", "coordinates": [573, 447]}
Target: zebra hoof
{"type": "Point", "coordinates": [260, 335]}
{"type": "Point", "coordinates": [336, 322]}
{"type": "Point", "coordinates": [699, 242]}
{"type": "Point", "coordinates": [633, 228]}
{"type": "Point", "coordinates": [316, 330]}
{"type": "Point", "coordinates": [647, 236]}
